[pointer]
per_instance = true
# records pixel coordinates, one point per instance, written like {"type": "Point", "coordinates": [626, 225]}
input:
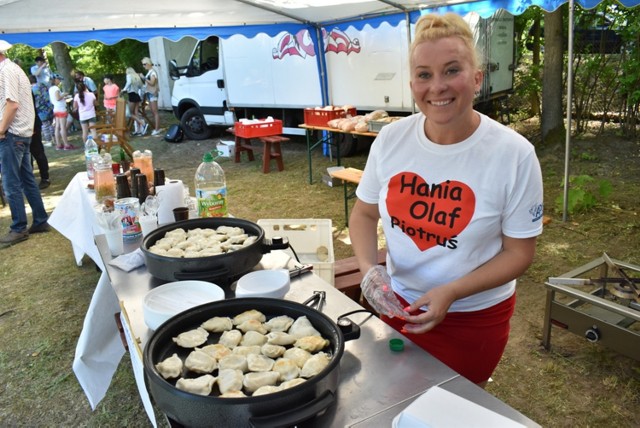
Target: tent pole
{"type": "Point", "coordinates": [567, 146]}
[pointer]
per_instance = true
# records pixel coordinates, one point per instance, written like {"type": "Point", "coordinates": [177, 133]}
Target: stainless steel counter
{"type": "Point", "coordinates": [375, 383]}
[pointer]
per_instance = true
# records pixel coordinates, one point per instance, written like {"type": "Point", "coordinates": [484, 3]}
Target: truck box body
{"type": "Point", "coordinates": [227, 79]}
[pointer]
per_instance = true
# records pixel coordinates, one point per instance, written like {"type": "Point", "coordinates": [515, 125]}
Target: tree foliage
{"type": "Point", "coordinates": [95, 59]}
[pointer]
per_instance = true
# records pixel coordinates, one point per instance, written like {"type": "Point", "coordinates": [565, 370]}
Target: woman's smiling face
{"type": "Point", "coordinates": [444, 80]}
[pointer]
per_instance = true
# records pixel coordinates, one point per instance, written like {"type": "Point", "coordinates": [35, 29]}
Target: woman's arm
{"type": "Point", "coordinates": [363, 232]}
{"type": "Point", "coordinates": [514, 259]}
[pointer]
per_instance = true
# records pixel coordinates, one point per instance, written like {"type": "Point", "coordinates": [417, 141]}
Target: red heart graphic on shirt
{"type": "Point", "coordinates": [429, 214]}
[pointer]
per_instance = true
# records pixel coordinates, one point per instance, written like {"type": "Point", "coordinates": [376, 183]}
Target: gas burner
{"type": "Point", "coordinates": [604, 308]}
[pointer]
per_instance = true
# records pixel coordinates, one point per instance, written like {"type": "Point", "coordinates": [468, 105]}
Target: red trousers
{"type": "Point", "coordinates": [471, 343]}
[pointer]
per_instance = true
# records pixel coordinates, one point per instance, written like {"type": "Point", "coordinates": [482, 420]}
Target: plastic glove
{"type": "Point", "coordinates": [376, 288]}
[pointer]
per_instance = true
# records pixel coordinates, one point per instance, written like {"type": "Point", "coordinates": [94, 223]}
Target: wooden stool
{"type": "Point", "coordinates": [272, 150]}
{"type": "Point", "coordinates": [243, 145]}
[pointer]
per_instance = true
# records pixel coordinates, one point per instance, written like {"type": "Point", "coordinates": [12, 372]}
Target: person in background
{"type": "Point", "coordinates": [132, 88]}
{"type": "Point", "coordinates": [79, 76]}
{"type": "Point", "coordinates": [84, 102]}
{"type": "Point", "coordinates": [57, 98]}
{"type": "Point", "coordinates": [41, 71]}
{"type": "Point", "coordinates": [44, 109]}
{"type": "Point", "coordinates": [151, 91]}
{"type": "Point", "coordinates": [17, 115]}
{"type": "Point", "coordinates": [111, 93]}
{"type": "Point", "coordinates": [37, 150]}
{"type": "Point", "coordinates": [460, 200]}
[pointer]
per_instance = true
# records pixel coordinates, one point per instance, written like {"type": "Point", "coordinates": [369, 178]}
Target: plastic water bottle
{"type": "Point", "coordinates": [90, 149]}
{"type": "Point", "coordinates": [211, 188]}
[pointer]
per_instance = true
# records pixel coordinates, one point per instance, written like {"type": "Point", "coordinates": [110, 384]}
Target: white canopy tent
{"type": "Point", "coordinates": [40, 22]}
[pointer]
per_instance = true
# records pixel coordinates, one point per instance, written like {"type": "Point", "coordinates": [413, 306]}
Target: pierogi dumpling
{"type": "Point", "coordinates": [302, 327]}
{"type": "Point", "coordinates": [281, 323]}
{"type": "Point", "coordinates": [230, 380]}
{"type": "Point", "coordinates": [218, 324]}
{"type": "Point", "coordinates": [253, 381]}
{"type": "Point", "coordinates": [192, 338]}
{"type": "Point", "coordinates": [170, 367]}
{"type": "Point", "coordinates": [200, 361]}
{"type": "Point", "coordinates": [311, 343]}
{"type": "Point", "coordinates": [230, 338]}
{"type": "Point", "coordinates": [201, 385]}
{"type": "Point", "coordinates": [315, 365]}
{"type": "Point", "coordinates": [251, 314]}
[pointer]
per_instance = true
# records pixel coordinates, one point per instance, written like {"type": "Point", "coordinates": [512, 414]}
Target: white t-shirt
{"type": "Point", "coordinates": [58, 105]}
{"type": "Point", "coordinates": [444, 208]}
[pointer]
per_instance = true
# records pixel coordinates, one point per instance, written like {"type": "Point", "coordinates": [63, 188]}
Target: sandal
{"type": "Point", "coordinates": [59, 147]}
{"type": "Point", "coordinates": [70, 147]}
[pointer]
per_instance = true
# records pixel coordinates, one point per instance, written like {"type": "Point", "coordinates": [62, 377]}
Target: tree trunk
{"type": "Point", "coordinates": [534, 97]}
{"type": "Point", "coordinates": [64, 66]}
{"type": "Point", "coordinates": [552, 119]}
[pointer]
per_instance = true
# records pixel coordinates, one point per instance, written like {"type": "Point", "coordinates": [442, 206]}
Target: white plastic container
{"type": "Point", "coordinates": [312, 240]}
{"type": "Point", "coordinates": [264, 283]}
{"type": "Point", "coordinates": [170, 299]}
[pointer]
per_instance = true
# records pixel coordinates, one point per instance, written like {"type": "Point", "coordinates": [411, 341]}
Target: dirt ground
{"type": "Point", "coordinates": [575, 383]}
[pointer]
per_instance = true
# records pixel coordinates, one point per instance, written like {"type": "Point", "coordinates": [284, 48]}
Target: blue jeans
{"type": "Point", "coordinates": [18, 180]}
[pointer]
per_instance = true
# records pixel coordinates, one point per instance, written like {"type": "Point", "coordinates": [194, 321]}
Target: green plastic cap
{"type": "Point", "coordinates": [396, 345]}
{"type": "Point", "coordinates": [208, 157]}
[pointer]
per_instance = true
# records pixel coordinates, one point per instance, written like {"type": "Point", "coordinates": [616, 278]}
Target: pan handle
{"type": "Point", "coordinates": [218, 273]}
{"type": "Point", "coordinates": [293, 417]}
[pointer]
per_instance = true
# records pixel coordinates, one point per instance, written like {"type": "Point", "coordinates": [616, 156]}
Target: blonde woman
{"type": "Point", "coordinates": [132, 88]}
{"type": "Point", "coordinates": [151, 91]}
{"type": "Point", "coordinates": [460, 200]}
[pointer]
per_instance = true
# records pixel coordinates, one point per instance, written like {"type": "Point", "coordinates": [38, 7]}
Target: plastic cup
{"type": "Point", "coordinates": [181, 213]}
{"type": "Point", "coordinates": [148, 223]}
{"type": "Point", "coordinates": [115, 241]}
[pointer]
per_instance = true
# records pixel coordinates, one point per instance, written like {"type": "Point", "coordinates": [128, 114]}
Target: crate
{"type": "Point", "coordinates": [313, 117]}
{"type": "Point", "coordinates": [377, 125]}
{"type": "Point", "coordinates": [255, 130]}
{"type": "Point", "coordinates": [312, 240]}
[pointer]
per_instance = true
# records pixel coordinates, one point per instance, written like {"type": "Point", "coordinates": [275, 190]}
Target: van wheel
{"type": "Point", "coordinates": [194, 126]}
{"type": "Point", "coordinates": [348, 145]}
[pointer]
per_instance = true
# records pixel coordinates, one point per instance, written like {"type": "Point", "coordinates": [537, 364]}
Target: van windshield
{"type": "Point", "coordinates": [205, 56]}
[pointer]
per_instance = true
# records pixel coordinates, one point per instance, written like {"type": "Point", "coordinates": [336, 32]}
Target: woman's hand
{"type": "Point", "coordinates": [437, 301]}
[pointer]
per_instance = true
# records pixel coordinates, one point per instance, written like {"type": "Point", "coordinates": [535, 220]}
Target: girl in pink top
{"type": "Point", "coordinates": [84, 102]}
{"type": "Point", "coordinates": [111, 92]}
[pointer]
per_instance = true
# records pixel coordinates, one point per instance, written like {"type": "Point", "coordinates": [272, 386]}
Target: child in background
{"type": "Point", "coordinates": [111, 92]}
{"type": "Point", "coordinates": [84, 102]}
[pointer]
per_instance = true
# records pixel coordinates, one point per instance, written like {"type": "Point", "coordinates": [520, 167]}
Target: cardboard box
{"type": "Point", "coordinates": [330, 181]}
{"type": "Point", "coordinates": [227, 148]}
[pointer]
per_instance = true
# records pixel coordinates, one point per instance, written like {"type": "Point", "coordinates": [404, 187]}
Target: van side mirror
{"type": "Point", "coordinates": [174, 71]}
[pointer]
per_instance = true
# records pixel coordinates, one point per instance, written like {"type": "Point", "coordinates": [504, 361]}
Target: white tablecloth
{"type": "Point", "coordinates": [99, 349]}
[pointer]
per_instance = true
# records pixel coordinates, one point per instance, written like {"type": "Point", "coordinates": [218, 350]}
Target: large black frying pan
{"type": "Point", "coordinates": [223, 268]}
{"type": "Point", "coordinates": [284, 408]}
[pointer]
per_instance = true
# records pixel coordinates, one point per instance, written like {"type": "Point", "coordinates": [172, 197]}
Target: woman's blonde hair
{"type": "Point", "coordinates": [135, 77]}
{"type": "Point", "coordinates": [147, 60]}
{"type": "Point", "coordinates": [435, 27]}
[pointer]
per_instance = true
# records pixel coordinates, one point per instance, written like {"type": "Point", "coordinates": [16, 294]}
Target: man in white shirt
{"type": "Point", "coordinates": [41, 71]}
{"type": "Point", "coordinates": [17, 117]}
